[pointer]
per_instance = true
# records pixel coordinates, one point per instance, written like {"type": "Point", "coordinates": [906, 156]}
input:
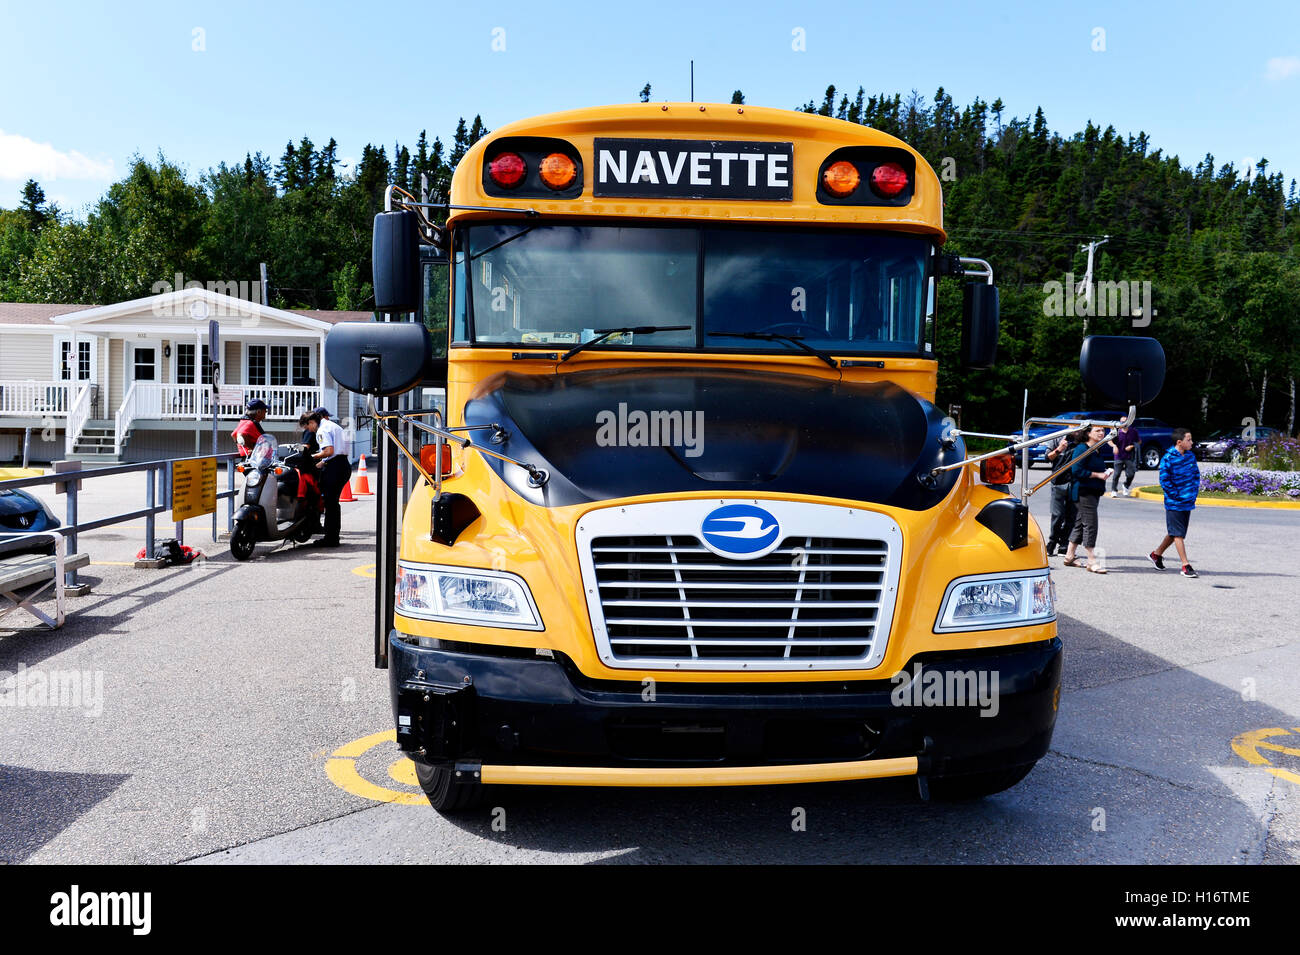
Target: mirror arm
{"type": "Point", "coordinates": [537, 477]}
{"type": "Point", "coordinates": [1019, 443]}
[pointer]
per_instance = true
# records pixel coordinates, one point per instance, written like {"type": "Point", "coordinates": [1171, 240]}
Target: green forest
{"type": "Point", "coordinates": [1220, 246]}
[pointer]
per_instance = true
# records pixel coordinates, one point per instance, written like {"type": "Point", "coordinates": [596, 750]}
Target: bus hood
{"type": "Point", "coordinates": [616, 433]}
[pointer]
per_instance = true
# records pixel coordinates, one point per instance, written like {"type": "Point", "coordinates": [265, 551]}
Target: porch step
{"type": "Point", "coordinates": [96, 443]}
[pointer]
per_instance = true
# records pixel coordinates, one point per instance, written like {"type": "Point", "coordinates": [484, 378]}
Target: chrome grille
{"type": "Point", "coordinates": [813, 602]}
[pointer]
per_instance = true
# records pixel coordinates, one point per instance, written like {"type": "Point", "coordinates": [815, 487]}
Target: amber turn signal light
{"type": "Point", "coordinates": [998, 470]}
{"type": "Point", "coordinates": [558, 171]}
{"type": "Point", "coordinates": [429, 455]}
{"type": "Point", "coordinates": [841, 178]}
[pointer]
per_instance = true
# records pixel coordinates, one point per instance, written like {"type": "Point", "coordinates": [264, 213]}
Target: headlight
{"type": "Point", "coordinates": [989, 601]}
{"type": "Point", "coordinates": [254, 478]}
{"type": "Point", "coordinates": [483, 597]}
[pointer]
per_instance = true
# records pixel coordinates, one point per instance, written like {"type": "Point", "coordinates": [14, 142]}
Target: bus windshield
{"type": "Point", "coordinates": [561, 285]}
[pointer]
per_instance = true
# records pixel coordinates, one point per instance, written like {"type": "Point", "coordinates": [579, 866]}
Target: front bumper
{"type": "Point", "coordinates": [516, 718]}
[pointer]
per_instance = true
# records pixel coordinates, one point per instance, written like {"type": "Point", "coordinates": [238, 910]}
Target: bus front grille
{"type": "Point", "coordinates": [814, 602]}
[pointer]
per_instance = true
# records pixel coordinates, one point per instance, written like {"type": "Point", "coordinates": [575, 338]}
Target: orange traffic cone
{"type": "Point", "coordinates": [362, 480]}
{"type": "Point", "coordinates": [346, 494]}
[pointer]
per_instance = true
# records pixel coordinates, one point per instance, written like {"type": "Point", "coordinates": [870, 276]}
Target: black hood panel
{"type": "Point", "coordinates": [726, 431]}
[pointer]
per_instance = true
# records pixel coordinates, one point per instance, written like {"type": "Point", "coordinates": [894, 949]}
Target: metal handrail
{"type": "Point", "coordinates": [156, 486]}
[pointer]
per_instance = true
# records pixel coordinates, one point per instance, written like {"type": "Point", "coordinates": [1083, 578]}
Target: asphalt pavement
{"type": "Point", "coordinates": [240, 720]}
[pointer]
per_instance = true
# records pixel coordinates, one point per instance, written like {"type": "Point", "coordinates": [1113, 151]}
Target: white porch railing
{"type": "Point", "coordinates": [78, 415]}
{"type": "Point", "coordinates": [160, 401]}
{"type": "Point", "coordinates": [36, 399]}
{"type": "Point", "coordinates": [125, 417]}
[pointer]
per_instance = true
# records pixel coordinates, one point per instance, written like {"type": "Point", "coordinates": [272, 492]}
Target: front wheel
{"type": "Point", "coordinates": [977, 785]}
{"type": "Point", "coordinates": [1151, 457]}
{"type": "Point", "coordinates": [242, 542]}
{"type": "Point", "coordinates": [446, 793]}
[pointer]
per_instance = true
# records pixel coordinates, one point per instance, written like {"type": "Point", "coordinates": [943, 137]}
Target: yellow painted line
{"type": "Point", "coordinates": [698, 775]}
{"type": "Point", "coordinates": [365, 570]}
{"type": "Point", "coordinates": [1248, 745]}
{"type": "Point", "coordinates": [1218, 502]}
{"type": "Point", "coordinates": [13, 474]}
{"type": "Point", "coordinates": [341, 768]}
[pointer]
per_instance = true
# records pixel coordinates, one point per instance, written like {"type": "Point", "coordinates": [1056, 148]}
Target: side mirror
{"type": "Point", "coordinates": [1122, 370]}
{"type": "Point", "coordinates": [395, 261]}
{"type": "Point", "coordinates": [979, 325]}
{"type": "Point", "coordinates": [377, 358]}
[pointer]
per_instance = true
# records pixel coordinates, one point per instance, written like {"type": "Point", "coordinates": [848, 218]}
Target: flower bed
{"type": "Point", "coordinates": [1236, 479]}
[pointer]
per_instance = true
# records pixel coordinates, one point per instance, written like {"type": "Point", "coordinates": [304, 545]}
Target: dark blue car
{"type": "Point", "coordinates": [1156, 437]}
{"type": "Point", "coordinates": [22, 512]}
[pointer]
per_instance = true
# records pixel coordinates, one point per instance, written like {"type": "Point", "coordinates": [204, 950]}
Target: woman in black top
{"type": "Point", "coordinates": [1087, 487]}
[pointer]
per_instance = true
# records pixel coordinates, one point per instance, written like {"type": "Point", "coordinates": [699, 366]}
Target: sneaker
{"type": "Point", "coordinates": [1157, 560]}
{"type": "Point", "coordinates": [1110, 493]}
{"type": "Point", "coordinates": [1051, 550]}
{"type": "Point", "coordinates": [1188, 572]}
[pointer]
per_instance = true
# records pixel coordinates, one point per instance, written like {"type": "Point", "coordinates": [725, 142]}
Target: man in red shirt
{"type": "Point", "coordinates": [249, 428]}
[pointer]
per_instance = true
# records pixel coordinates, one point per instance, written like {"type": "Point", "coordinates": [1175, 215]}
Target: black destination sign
{"type": "Point", "coordinates": [693, 169]}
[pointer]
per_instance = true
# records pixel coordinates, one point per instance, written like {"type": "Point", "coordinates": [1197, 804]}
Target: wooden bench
{"type": "Point", "coordinates": [24, 577]}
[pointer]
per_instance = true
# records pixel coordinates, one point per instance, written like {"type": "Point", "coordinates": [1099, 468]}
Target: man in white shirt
{"type": "Point", "coordinates": [336, 471]}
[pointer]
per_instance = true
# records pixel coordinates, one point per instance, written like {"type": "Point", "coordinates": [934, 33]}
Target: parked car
{"type": "Point", "coordinates": [1156, 436]}
{"type": "Point", "coordinates": [1220, 445]}
{"type": "Point", "coordinates": [21, 512]}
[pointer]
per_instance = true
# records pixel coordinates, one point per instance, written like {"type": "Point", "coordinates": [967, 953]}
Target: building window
{"type": "Point", "coordinates": [185, 365]}
{"type": "Point", "coordinates": [83, 361]}
{"type": "Point", "coordinates": [279, 364]}
{"type": "Point", "coordinates": [144, 364]}
{"type": "Point", "coordinates": [268, 365]}
{"type": "Point", "coordinates": [257, 364]}
{"type": "Point", "coordinates": [302, 365]}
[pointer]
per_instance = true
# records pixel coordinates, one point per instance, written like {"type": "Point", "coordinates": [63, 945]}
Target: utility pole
{"type": "Point", "coordinates": [1086, 285]}
{"type": "Point", "coordinates": [264, 302]}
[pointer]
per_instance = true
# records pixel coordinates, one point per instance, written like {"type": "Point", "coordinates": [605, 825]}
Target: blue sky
{"type": "Point", "coordinates": [84, 86]}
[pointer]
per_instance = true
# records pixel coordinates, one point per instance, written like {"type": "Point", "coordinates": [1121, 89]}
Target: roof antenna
{"type": "Point", "coordinates": [692, 81]}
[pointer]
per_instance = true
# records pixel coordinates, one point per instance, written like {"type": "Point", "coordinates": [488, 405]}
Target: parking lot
{"type": "Point", "coordinates": [231, 694]}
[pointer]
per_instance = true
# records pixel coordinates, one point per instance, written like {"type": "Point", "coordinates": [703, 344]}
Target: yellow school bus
{"type": "Point", "coordinates": [692, 517]}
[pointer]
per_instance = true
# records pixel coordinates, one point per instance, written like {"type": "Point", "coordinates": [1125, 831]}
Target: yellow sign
{"type": "Point", "coordinates": [1248, 746]}
{"type": "Point", "coordinates": [342, 771]}
{"type": "Point", "coordinates": [194, 488]}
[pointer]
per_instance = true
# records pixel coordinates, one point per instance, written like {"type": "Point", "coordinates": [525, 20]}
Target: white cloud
{"type": "Point", "coordinates": [22, 158]}
{"type": "Point", "coordinates": [1282, 67]}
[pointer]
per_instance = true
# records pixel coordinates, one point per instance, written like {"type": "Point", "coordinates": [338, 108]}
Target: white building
{"type": "Point", "coordinates": [131, 381]}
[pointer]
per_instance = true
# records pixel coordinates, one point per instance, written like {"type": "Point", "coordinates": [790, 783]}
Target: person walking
{"type": "Point", "coordinates": [1086, 488]}
{"type": "Point", "coordinates": [250, 428]}
{"type": "Point", "coordinates": [1128, 444]}
{"type": "Point", "coordinates": [336, 470]}
{"type": "Point", "coordinates": [1180, 480]}
{"type": "Point", "coordinates": [1063, 507]}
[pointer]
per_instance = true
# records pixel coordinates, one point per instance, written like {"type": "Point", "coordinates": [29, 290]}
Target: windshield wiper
{"type": "Point", "coordinates": [795, 340]}
{"type": "Point", "coordinates": [604, 333]}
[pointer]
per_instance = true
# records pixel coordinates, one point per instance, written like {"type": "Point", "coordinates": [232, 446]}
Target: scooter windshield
{"type": "Point", "coordinates": [263, 452]}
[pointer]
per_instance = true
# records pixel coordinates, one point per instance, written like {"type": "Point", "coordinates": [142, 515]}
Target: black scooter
{"type": "Point", "coordinates": [271, 508]}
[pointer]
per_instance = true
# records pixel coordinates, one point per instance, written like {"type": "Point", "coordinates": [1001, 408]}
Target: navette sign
{"type": "Point", "coordinates": [693, 169]}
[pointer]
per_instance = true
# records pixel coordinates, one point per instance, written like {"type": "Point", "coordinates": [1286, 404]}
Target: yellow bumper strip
{"type": "Point", "coordinates": [697, 775]}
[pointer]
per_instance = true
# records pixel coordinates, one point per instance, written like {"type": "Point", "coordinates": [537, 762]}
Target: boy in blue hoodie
{"type": "Point", "coordinates": [1180, 479]}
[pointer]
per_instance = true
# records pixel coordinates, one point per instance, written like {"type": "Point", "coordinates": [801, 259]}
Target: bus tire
{"type": "Point", "coordinates": [977, 785]}
{"type": "Point", "coordinates": [447, 794]}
